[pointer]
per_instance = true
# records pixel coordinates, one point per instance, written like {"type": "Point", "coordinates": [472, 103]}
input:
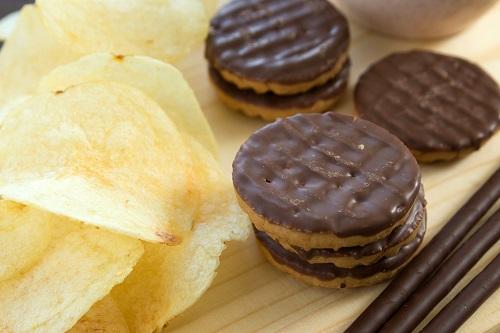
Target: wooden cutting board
{"type": "Point", "coordinates": [249, 295]}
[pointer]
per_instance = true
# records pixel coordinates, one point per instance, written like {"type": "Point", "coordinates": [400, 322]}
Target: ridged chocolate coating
{"type": "Point", "coordinates": [432, 102]}
{"type": "Point", "coordinates": [330, 271]}
{"type": "Point", "coordinates": [327, 173]}
{"type": "Point", "coordinates": [398, 235]}
{"type": "Point", "coordinates": [331, 89]}
{"type": "Point", "coordinates": [282, 41]}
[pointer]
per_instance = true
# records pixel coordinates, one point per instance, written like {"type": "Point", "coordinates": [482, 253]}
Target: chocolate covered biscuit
{"type": "Point", "coordinates": [348, 257]}
{"type": "Point", "coordinates": [270, 106]}
{"type": "Point", "coordinates": [331, 276]}
{"type": "Point", "coordinates": [325, 181]}
{"type": "Point", "coordinates": [441, 107]}
{"type": "Point", "coordinates": [286, 47]}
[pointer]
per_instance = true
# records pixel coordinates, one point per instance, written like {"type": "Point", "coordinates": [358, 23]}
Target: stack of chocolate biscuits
{"type": "Point", "coordinates": [274, 58]}
{"type": "Point", "coordinates": [335, 201]}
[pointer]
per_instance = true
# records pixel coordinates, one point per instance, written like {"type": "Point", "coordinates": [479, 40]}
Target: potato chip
{"type": "Point", "coordinates": [168, 280]}
{"type": "Point", "coordinates": [12, 104]}
{"type": "Point", "coordinates": [163, 29]}
{"type": "Point", "coordinates": [25, 233]}
{"type": "Point", "coordinates": [30, 53]}
{"type": "Point", "coordinates": [160, 81]}
{"type": "Point", "coordinates": [7, 25]}
{"type": "Point", "coordinates": [103, 317]}
{"type": "Point", "coordinates": [76, 272]}
{"type": "Point", "coordinates": [102, 153]}
{"type": "Point", "coordinates": [211, 6]}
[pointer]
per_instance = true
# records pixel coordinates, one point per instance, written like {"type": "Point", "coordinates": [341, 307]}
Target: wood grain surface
{"type": "Point", "coordinates": [249, 295]}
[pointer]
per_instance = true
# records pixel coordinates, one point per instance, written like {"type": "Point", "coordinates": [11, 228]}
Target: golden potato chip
{"type": "Point", "coordinates": [76, 272]}
{"type": "Point", "coordinates": [25, 233]}
{"type": "Point", "coordinates": [211, 6]}
{"type": "Point", "coordinates": [30, 53]}
{"type": "Point", "coordinates": [103, 317]}
{"type": "Point", "coordinates": [167, 280]}
{"type": "Point", "coordinates": [160, 81]}
{"type": "Point", "coordinates": [102, 153]}
{"type": "Point", "coordinates": [163, 29]}
{"type": "Point", "coordinates": [7, 25]}
{"type": "Point", "coordinates": [12, 104]}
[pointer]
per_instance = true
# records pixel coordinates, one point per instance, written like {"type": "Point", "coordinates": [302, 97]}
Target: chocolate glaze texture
{"type": "Point", "coordinates": [327, 173]}
{"type": "Point", "coordinates": [398, 235]}
{"type": "Point", "coordinates": [279, 41]}
{"type": "Point", "coordinates": [330, 271]}
{"type": "Point", "coordinates": [432, 102]}
{"type": "Point", "coordinates": [330, 90]}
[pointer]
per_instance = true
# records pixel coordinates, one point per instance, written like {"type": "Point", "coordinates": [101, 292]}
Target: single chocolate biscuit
{"type": "Point", "coordinates": [270, 106]}
{"type": "Point", "coordinates": [331, 276]}
{"type": "Point", "coordinates": [441, 107]}
{"type": "Point", "coordinates": [348, 257]}
{"type": "Point", "coordinates": [325, 181]}
{"type": "Point", "coordinates": [286, 47]}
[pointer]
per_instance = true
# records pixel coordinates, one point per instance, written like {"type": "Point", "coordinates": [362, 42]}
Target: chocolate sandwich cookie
{"type": "Point", "coordinates": [270, 106]}
{"type": "Point", "coordinates": [441, 107]}
{"type": "Point", "coordinates": [348, 257]}
{"type": "Point", "coordinates": [325, 181]}
{"type": "Point", "coordinates": [331, 276]}
{"type": "Point", "coordinates": [286, 47]}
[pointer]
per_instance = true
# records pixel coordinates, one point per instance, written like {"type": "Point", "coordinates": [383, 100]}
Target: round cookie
{"type": "Point", "coordinates": [270, 106]}
{"type": "Point", "coordinates": [441, 107]}
{"type": "Point", "coordinates": [331, 276]}
{"type": "Point", "coordinates": [286, 47]}
{"type": "Point", "coordinates": [348, 257]}
{"type": "Point", "coordinates": [325, 181]}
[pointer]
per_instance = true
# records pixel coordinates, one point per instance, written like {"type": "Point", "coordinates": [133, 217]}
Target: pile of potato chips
{"type": "Point", "coordinates": [113, 209]}
{"type": "Point", "coordinates": [56, 32]}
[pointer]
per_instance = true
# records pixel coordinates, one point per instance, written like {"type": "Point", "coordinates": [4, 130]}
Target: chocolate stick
{"type": "Point", "coordinates": [455, 313]}
{"type": "Point", "coordinates": [428, 295]}
{"type": "Point", "coordinates": [389, 301]}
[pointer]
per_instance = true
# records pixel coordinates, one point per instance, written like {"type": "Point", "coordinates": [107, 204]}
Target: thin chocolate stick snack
{"type": "Point", "coordinates": [423, 300]}
{"type": "Point", "coordinates": [396, 293]}
{"type": "Point", "coordinates": [467, 301]}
